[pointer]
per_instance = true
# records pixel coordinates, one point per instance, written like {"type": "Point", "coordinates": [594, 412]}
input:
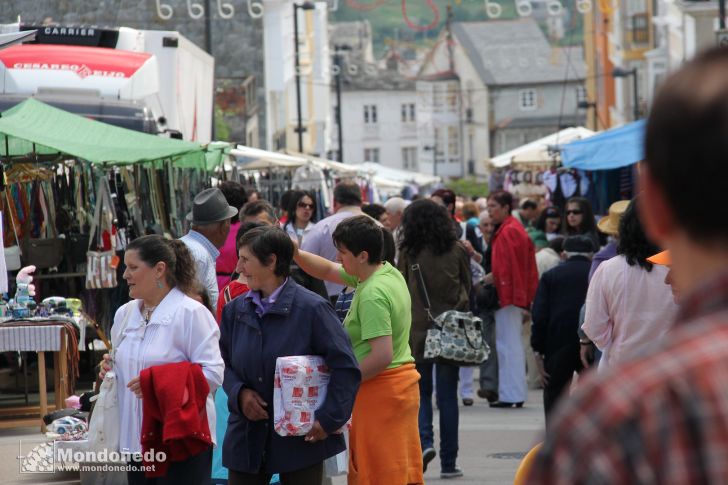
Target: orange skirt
{"type": "Point", "coordinates": [384, 441]}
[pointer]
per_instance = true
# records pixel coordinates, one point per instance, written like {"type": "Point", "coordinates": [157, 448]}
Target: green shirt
{"type": "Point", "coordinates": [381, 306]}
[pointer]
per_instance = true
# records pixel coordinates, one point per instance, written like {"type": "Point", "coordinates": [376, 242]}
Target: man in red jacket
{"type": "Point", "coordinates": [515, 277]}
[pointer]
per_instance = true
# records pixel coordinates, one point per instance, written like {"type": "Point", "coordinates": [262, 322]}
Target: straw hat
{"type": "Point", "coordinates": [610, 224]}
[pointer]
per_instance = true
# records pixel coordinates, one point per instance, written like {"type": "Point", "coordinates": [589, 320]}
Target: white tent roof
{"type": "Point", "coordinates": [537, 151]}
{"type": "Point", "coordinates": [257, 159]}
{"type": "Point", "coordinates": [395, 175]}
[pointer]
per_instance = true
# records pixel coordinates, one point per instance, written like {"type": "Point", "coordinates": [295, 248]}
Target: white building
{"type": "Point", "coordinates": [682, 28]}
{"type": "Point", "coordinates": [280, 80]}
{"type": "Point", "coordinates": [379, 117]}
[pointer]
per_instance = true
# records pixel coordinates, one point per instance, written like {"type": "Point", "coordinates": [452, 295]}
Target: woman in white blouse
{"type": "Point", "coordinates": [162, 325]}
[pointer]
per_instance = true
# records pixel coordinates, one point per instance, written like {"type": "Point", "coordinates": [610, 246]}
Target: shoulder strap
{"type": "Point", "coordinates": [422, 288]}
{"type": "Point", "coordinates": [124, 323]}
{"type": "Point", "coordinates": [226, 294]}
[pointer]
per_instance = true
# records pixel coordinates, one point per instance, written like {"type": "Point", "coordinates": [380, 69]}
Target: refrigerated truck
{"type": "Point", "coordinates": [151, 81]}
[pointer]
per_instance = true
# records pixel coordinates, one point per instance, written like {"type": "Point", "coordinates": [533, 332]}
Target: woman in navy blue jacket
{"type": "Point", "coordinates": [280, 318]}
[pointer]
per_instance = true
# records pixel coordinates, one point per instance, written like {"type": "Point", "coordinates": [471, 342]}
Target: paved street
{"type": "Point", "coordinates": [491, 444]}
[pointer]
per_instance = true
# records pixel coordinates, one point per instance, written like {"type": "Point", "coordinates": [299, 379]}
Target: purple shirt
{"type": "Point", "coordinates": [608, 252]}
{"type": "Point", "coordinates": [262, 305]}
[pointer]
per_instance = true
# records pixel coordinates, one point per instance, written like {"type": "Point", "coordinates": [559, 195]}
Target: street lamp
{"type": "Point", "coordinates": [299, 127]}
{"type": "Point", "coordinates": [583, 104]}
{"type": "Point", "coordinates": [432, 148]}
{"type": "Point", "coordinates": [621, 72]}
{"type": "Point", "coordinates": [338, 49]}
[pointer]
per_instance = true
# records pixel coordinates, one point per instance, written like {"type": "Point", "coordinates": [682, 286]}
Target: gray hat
{"type": "Point", "coordinates": [210, 206]}
{"type": "Point", "coordinates": [578, 244]}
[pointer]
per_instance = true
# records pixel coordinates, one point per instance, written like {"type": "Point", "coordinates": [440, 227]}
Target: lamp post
{"type": "Point", "coordinates": [338, 49]}
{"type": "Point", "coordinates": [621, 72]}
{"type": "Point", "coordinates": [299, 126]}
{"type": "Point", "coordinates": [432, 148]}
{"type": "Point", "coordinates": [583, 104]}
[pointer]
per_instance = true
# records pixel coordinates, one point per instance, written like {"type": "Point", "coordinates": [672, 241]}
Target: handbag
{"type": "Point", "coordinates": [12, 253]}
{"type": "Point", "coordinates": [43, 252]}
{"type": "Point", "coordinates": [104, 427]}
{"type": "Point", "coordinates": [455, 337]}
{"type": "Point", "coordinates": [101, 265]}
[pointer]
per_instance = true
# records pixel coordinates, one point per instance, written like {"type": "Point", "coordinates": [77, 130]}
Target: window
{"type": "Point", "coordinates": [370, 114]}
{"type": "Point", "coordinates": [580, 94]}
{"type": "Point", "coordinates": [453, 141]}
{"type": "Point", "coordinates": [452, 95]}
{"type": "Point", "coordinates": [371, 155]}
{"type": "Point", "coordinates": [409, 158]}
{"type": "Point", "coordinates": [527, 99]}
{"type": "Point", "coordinates": [439, 142]}
{"type": "Point", "coordinates": [408, 113]}
{"type": "Point", "coordinates": [640, 29]}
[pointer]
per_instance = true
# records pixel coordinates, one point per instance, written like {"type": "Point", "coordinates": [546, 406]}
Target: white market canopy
{"type": "Point", "coordinates": [537, 152]}
{"type": "Point", "coordinates": [256, 159]}
{"type": "Point", "coordinates": [393, 175]}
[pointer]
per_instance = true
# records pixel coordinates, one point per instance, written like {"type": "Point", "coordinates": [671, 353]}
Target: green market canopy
{"type": "Point", "coordinates": [33, 128]}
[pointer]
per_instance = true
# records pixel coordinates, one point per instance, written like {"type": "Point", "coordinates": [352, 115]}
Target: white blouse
{"type": "Point", "coordinates": [180, 330]}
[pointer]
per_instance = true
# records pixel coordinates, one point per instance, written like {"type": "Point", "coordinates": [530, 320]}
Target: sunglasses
{"type": "Point", "coordinates": [576, 212]}
{"type": "Point", "coordinates": [304, 205]}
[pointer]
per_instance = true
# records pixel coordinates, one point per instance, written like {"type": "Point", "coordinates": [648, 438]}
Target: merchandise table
{"type": "Point", "coordinates": [41, 335]}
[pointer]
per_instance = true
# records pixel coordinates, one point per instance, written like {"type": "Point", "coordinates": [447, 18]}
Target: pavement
{"type": "Point", "coordinates": [492, 442]}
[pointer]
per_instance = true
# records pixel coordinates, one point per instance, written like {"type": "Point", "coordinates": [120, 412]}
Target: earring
{"type": "Point", "coordinates": [159, 284]}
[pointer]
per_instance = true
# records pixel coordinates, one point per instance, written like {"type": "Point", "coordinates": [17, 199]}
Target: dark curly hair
{"type": "Point", "coordinates": [588, 223]}
{"type": "Point", "coordinates": [633, 242]}
{"type": "Point", "coordinates": [426, 224]}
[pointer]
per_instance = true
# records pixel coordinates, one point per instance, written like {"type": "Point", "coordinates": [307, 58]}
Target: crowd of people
{"type": "Point", "coordinates": [558, 293]}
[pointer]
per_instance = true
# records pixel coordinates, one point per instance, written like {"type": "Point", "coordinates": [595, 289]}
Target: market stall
{"type": "Point", "coordinates": [63, 174]}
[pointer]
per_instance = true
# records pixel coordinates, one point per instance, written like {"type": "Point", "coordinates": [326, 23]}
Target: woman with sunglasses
{"type": "Point", "coordinates": [301, 213]}
{"type": "Point", "coordinates": [579, 220]}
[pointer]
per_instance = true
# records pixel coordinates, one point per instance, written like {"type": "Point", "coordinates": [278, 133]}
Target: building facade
{"type": "Point", "coordinates": [505, 84]}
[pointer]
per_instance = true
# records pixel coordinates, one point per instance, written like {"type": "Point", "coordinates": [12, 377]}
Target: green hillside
{"type": "Point", "coordinates": [388, 22]}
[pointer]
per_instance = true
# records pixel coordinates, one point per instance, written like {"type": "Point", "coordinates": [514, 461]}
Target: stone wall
{"type": "Point", "coordinates": [237, 43]}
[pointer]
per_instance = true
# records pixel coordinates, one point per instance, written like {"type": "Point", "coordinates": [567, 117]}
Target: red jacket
{"type": "Point", "coordinates": [177, 428]}
{"type": "Point", "coordinates": [514, 265]}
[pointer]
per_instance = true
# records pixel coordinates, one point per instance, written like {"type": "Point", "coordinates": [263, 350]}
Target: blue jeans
{"type": "Point", "coordinates": [446, 377]}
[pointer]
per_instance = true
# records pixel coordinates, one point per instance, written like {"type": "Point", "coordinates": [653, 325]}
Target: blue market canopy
{"type": "Point", "coordinates": [615, 148]}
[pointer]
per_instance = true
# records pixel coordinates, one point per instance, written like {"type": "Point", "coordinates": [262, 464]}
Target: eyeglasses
{"type": "Point", "coordinates": [576, 212]}
{"type": "Point", "coordinates": [304, 205]}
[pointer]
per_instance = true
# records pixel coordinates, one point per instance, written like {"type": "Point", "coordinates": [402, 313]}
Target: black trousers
{"type": "Point", "coordinates": [560, 366]}
{"type": "Point", "coordinates": [196, 470]}
{"type": "Point", "coordinates": [306, 476]}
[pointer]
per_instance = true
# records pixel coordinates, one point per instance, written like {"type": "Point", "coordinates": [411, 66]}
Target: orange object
{"type": "Point", "coordinates": [384, 441]}
{"type": "Point", "coordinates": [526, 464]}
{"type": "Point", "coordinates": [663, 258]}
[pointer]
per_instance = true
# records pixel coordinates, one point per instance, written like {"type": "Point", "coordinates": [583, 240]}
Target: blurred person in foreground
{"type": "Point", "coordinates": [661, 416]}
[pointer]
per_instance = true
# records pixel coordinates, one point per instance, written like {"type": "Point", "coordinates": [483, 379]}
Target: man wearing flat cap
{"type": "Point", "coordinates": [554, 339]}
{"type": "Point", "coordinates": [210, 225]}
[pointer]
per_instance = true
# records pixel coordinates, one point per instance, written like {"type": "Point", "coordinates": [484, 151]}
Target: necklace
{"type": "Point", "coordinates": [147, 312]}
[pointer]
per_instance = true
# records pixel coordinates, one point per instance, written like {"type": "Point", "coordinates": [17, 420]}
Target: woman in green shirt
{"type": "Point", "coordinates": [384, 440]}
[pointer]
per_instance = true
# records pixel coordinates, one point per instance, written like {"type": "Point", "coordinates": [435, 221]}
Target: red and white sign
{"type": "Point", "coordinates": [114, 73]}
{"type": "Point", "coordinates": [84, 61]}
